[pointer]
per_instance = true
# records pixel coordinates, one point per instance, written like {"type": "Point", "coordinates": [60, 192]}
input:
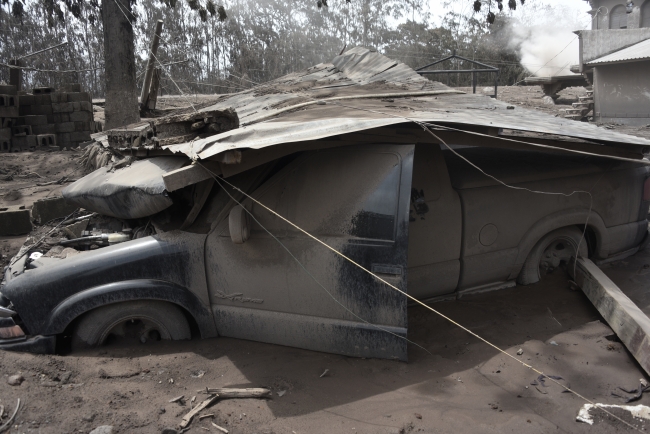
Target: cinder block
{"type": "Point", "coordinates": [8, 89]}
{"type": "Point", "coordinates": [36, 120]}
{"type": "Point", "coordinates": [51, 208]}
{"type": "Point", "coordinates": [78, 96]}
{"type": "Point", "coordinates": [59, 118]}
{"type": "Point", "coordinates": [62, 107]}
{"type": "Point", "coordinates": [65, 127]}
{"type": "Point", "coordinates": [76, 106]}
{"type": "Point", "coordinates": [80, 116]}
{"type": "Point", "coordinates": [46, 140]}
{"type": "Point", "coordinates": [46, 99]}
{"type": "Point", "coordinates": [5, 133]}
{"type": "Point", "coordinates": [63, 139]}
{"type": "Point", "coordinates": [41, 90]}
{"type": "Point", "coordinates": [22, 130]}
{"type": "Point", "coordinates": [71, 87]}
{"type": "Point", "coordinates": [15, 220]}
{"type": "Point", "coordinates": [82, 126]}
{"type": "Point", "coordinates": [27, 100]}
{"type": "Point", "coordinates": [8, 122]}
{"type": "Point", "coordinates": [9, 100]}
{"type": "Point", "coordinates": [9, 106]}
{"type": "Point", "coordinates": [37, 109]}
{"type": "Point", "coordinates": [23, 143]}
{"type": "Point", "coordinates": [58, 97]}
{"type": "Point", "coordinates": [23, 110]}
{"type": "Point", "coordinates": [86, 106]}
{"type": "Point", "coordinates": [80, 136]}
{"type": "Point", "coordinates": [44, 129]}
{"type": "Point", "coordinates": [5, 145]}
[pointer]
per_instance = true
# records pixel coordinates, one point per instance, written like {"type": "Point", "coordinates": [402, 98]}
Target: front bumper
{"type": "Point", "coordinates": [12, 338]}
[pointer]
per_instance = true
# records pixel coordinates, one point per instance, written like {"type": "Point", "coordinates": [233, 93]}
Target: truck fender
{"type": "Point", "coordinates": [141, 289]}
{"type": "Point", "coordinates": [560, 219]}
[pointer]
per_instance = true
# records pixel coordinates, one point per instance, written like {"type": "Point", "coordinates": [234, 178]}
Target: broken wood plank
{"type": "Point", "coordinates": [625, 318]}
{"type": "Point", "coordinates": [220, 428]}
{"type": "Point", "coordinates": [201, 193]}
{"type": "Point", "coordinates": [229, 393]}
{"type": "Point", "coordinates": [188, 417]}
{"type": "Point", "coordinates": [188, 175]}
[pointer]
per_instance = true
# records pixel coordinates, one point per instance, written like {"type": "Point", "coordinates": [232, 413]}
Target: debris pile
{"type": "Point", "coordinates": [45, 119]}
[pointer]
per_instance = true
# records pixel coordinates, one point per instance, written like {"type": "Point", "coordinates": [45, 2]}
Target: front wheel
{"type": "Point", "coordinates": [554, 250]}
{"type": "Point", "coordinates": [143, 321]}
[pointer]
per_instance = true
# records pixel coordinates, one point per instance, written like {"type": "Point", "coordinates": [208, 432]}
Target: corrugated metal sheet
{"type": "Point", "coordinates": [638, 51]}
{"type": "Point", "coordinates": [360, 90]}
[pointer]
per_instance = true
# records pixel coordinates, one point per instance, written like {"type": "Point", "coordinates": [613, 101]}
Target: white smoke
{"type": "Point", "coordinates": [545, 50]}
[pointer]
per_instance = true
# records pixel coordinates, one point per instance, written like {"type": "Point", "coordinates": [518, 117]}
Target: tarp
{"type": "Point", "coordinates": [131, 192]}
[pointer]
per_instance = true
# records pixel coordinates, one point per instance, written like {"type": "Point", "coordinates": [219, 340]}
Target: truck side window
{"type": "Point", "coordinates": [341, 192]}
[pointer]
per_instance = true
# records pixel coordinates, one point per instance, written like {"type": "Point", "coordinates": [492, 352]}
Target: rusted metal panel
{"type": "Point", "coordinates": [361, 89]}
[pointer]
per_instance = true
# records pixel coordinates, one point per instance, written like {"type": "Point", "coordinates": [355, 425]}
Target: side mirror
{"type": "Point", "coordinates": [239, 225]}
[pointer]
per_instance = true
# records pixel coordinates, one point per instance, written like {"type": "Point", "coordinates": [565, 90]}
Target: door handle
{"type": "Point", "coordinates": [392, 270]}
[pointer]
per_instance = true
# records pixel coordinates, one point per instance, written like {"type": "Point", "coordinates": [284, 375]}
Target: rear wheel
{"type": "Point", "coordinates": [136, 321]}
{"type": "Point", "coordinates": [553, 251]}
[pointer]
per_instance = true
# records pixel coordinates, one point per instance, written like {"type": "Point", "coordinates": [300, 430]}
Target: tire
{"type": "Point", "coordinates": [554, 249]}
{"type": "Point", "coordinates": [143, 320]}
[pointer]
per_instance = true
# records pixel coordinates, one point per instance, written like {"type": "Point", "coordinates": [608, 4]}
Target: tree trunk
{"type": "Point", "coordinates": [121, 106]}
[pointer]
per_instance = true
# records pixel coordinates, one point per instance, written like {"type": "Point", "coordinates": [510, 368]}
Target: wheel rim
{"type": "Point", "coordinates": [558, 252]}
{"type": "Point", "coordinates": [135, 328]}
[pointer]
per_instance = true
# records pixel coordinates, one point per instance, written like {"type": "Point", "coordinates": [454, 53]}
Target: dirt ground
{"type": "Point", "coordinates": [458, 384]}
{"type": "Point", "coordinates": [462, 386]}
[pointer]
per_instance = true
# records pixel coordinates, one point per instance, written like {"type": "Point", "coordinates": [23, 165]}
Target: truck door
{"type": "Point", "coordinates": [355, 199]}
{"type": "Point", "coordinates": [435, 228]}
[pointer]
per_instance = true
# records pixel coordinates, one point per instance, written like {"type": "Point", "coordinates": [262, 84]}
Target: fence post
{"type": "Point", "coordinates": [16, 74]}
{"type": "Point", "coordinates": [146, 84]}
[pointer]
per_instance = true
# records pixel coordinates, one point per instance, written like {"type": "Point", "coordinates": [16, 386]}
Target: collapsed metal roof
{"type": "Point", "coordinates": [362, 89]}
{"type": "Point", "coordinates": [636, 52]}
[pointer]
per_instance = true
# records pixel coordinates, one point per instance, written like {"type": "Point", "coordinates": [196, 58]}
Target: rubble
{"type": "Point", "coordinates": [15, 380]}
{"type": "Point", "coordinates": [51, 208]}
{"type": "Point", "coordinates": [15, 220]}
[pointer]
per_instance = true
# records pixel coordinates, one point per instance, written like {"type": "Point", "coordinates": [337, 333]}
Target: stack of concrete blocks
{"type": "Point", "coordinates": [68, 113]}
{"type": "Point", "coordinates": [9, 112]}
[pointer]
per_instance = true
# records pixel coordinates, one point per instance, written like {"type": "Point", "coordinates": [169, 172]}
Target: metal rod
{"type": "Point", "coordinates": [155, 41]}
{"type": "Point", "coordinates": [434, 63]}
{"type": "Point", "coordinates": [174, 63]}
{"type": "Point", "coordinates": [442, 71]}
{"type": "Point", "coordinates": [476, 63]}
{"type": "Point", "coordinates": [42, 51]}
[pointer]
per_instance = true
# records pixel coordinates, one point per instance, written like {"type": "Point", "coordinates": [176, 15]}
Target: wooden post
{"type": "Point", "coordinates": [473, 81]}
{"type": "Point", "coordinates": [151, 63]}
{"type": "Point", "coordinates": [625, 318]}
{"type": "Point", "coordinates": [153, 89]}
{"type": "Point", "coordinates": [16, 74]}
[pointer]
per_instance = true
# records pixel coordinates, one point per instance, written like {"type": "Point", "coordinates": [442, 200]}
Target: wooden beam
{"type": "Point", "coordinates": [201, 193]}
{"type": "Point", "coordinates": [188, 175]}
{"type": "Point", "coordinates": [629, 323]}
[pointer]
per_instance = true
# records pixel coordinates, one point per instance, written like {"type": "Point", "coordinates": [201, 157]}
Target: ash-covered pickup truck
{"type": "Point", "coordinates": [419, 216]}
